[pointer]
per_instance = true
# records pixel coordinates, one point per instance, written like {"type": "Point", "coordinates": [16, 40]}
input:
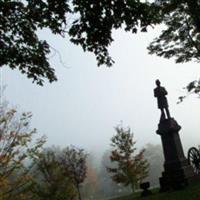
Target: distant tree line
{"type": "Point", "coordinates": [28, 170]}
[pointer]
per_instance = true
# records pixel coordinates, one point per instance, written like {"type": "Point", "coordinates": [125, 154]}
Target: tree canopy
{"type": "Point", "coordinates": [181, 36]}
{"type": "Point", "coordinates": [90, 26]}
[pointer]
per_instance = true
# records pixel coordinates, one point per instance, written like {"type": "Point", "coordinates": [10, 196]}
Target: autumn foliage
{"type": "Point", "coordinates": [131, 167]}
{"type": "Point", "coordinates": [17, 151]}
{"type": "Point", "coordinates": [30, 171]}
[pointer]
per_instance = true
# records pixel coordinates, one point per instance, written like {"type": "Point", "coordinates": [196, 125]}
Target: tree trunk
{"type": "Point", "coordinates": [132, 187]}
{"type": "Point", "coordinates": [79, 192]}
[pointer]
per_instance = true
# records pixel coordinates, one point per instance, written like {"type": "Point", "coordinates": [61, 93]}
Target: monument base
{"type": "Point", "coordinates": [177, 172]}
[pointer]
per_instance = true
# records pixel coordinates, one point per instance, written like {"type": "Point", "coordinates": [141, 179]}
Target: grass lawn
{"type": "Point", "coordinates": [191, 192]}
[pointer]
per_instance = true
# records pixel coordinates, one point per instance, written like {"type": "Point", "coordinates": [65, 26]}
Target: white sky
{"type": "Point", "coordinates": [86, 102]}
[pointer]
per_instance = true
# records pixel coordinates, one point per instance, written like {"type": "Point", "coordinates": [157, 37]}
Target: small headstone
{"type": "Point", "coordinates": [145, 187]}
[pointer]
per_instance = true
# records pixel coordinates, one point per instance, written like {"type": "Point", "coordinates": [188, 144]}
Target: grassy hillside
{"type": "Point", "coordinates": [190, 193]}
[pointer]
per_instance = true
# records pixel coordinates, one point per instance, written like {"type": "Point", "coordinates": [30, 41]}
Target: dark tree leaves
{"type": "Point", "coordinates": [181, 37]}
{"type": "Point", "coordinates": [20, 46]}
{"type": "Point", "coordinates": [192, 88]}
{"type": "Point", "coordinates": [91, 28]}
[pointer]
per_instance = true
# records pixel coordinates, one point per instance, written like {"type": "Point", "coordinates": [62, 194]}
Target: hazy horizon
{"type": "Point", "coordinates": [86, 103]}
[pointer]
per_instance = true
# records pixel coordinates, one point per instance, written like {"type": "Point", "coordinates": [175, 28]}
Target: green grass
{"type": "Point", "coordinates": [189, 193]}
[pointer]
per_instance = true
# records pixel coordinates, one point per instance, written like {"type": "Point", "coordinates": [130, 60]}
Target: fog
{"type": "Point", "coordinates": [86, 103]}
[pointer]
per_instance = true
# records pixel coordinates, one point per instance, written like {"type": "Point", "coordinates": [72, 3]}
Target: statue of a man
{"type": "Point", "coordinates": [160, 93]}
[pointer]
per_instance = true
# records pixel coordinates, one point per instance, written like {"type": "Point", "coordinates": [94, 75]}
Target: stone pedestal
{"type": "Point", "coordinates": [177, 172]}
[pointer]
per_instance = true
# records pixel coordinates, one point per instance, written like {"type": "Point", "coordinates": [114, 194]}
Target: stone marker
{"type": "Point", "coordinates": [177, 172]}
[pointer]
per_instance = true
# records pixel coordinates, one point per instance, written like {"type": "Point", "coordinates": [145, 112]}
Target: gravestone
{"type": "Point", "coordinates": [145, 187]}
{"type": "Point", "coordinates": [177, 172]}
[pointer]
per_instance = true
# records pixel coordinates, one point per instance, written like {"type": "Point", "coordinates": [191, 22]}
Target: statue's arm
{"type": "Point", "coordinates": [165, 91]}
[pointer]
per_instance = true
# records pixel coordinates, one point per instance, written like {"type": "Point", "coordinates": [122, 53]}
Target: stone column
{"type": "Point", "coordinates": [177, 172]}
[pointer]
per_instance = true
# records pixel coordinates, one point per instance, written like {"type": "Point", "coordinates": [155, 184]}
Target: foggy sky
{"type": "Point", "coordinates": [86, 103]}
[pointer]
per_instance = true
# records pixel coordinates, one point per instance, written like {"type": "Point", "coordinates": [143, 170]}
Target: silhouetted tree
{"type": "Point", "coordinates": [192, 88]}
{"type": "Point", "coordinates": [180, 37]}
{"type": "Point", "coordinates": [91, 27]}
{"type": "Point", "coordinates": [131, 167]}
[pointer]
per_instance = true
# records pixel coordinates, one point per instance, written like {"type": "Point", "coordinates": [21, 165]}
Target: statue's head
{"type": "Point", "coordinates": [157, 82]}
